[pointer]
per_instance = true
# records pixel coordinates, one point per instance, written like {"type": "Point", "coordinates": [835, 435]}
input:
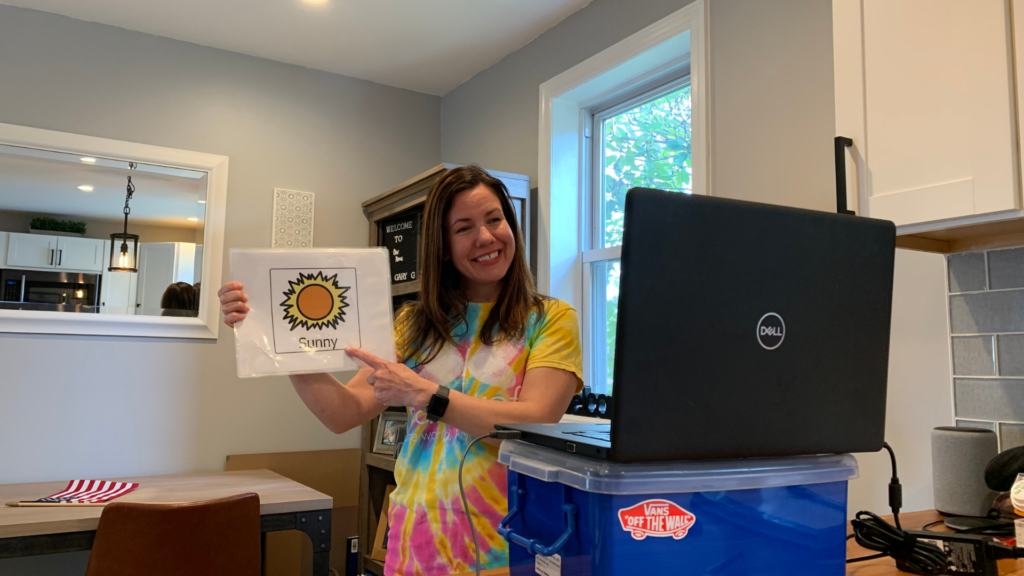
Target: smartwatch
{"type": "Point", "coordinates": [438, 404]}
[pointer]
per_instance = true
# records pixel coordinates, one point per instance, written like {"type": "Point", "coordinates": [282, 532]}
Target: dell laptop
{"type": "Point", "coordinates": [744, 330]}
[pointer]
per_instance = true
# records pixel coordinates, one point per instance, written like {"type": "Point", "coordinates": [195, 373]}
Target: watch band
{"type": "Point", "coordinates": [438, 404]}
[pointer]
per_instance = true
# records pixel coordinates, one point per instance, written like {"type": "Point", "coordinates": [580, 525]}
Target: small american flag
{"type": "Point", "coordinates": [90, 491]}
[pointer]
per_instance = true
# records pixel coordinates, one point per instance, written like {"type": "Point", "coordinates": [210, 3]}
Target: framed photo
{"type": "Point", "coordinates": [390, 432]}
{"type": "Point", "coordinates": [380, 541]}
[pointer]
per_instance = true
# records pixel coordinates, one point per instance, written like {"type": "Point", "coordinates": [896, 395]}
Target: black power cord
{"type": "Point", "coordinates": [499, 435]}
{"type": "Point", "coordinates": [873, 533]}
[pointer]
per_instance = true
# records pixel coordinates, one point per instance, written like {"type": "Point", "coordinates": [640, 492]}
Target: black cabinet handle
{"type": "Point", "coordinates": [51, 256]}
{"type": "Point", "coordinates": [842, 143]}
{"type": "Point", "coordinates": [60, 258]}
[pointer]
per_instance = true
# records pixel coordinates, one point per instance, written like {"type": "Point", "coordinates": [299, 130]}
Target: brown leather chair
{"type": "Point", "coordinates": [213, 538]}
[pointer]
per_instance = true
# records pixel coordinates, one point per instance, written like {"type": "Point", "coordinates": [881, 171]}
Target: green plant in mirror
{"type": "Point", "coordinates": [54, 225]}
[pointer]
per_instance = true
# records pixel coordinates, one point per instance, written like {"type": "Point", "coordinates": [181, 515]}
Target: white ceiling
{"type": "Point", "coordinates": [429, 46]}
{"type": "Point", "coordinates": [47, 182]}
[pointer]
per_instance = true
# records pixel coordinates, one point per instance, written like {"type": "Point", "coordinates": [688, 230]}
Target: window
{"type": "Point", "coordinates": [635, 114]}
{"type": "Point", "coordinates": [643, 141]}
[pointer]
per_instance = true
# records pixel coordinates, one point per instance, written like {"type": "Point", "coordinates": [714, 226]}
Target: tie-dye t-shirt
{"type": "Point", "coordinates": [428, 530]}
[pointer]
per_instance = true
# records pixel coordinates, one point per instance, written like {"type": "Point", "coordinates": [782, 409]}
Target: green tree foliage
{"type": "Point", "coordinates": [647, 146]}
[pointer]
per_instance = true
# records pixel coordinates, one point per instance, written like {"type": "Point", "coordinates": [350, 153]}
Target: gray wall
{"type": "Point", "coordinates": [772, 96]}
{"type": "Point", "coordinates": [107, 407]}
{"type": "Point", "coordinates": [986, 324]}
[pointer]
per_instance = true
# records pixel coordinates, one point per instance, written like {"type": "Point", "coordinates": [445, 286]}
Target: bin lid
{"type": "Point", "coordinates": [605, 477]}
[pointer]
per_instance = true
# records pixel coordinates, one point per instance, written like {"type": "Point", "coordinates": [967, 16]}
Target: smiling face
{"type": "Point", "coordinates": [480, 242]}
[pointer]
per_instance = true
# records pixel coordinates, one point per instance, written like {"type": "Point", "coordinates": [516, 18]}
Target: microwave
{"type": "Point", "coordinates": [62, 291]}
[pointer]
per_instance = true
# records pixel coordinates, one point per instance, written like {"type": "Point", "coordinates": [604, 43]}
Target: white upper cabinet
{"type": "Point", "coordinates": [37, 251]}
{"type": "Point", "coordinates": [80, 254]}
{"type": "Point", "coordinates": [31, 251]}
{"type": "Point", "coordinates": [925, 89]}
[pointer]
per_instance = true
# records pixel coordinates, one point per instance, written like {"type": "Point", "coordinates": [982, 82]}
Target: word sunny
{"type": "Point", "coordinates": [318, 343]}
{"type": "Point", "coordinates": [315, 302]}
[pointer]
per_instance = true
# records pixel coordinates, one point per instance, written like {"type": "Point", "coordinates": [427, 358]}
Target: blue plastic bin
{"type": "Point", "coordinates": [571, 515]}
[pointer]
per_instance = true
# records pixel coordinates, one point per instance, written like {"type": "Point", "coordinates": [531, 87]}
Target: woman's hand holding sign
{"type": "Point", "coordinates": [394, 384]}
{"type": "Point", "coordinates": [233, 303]}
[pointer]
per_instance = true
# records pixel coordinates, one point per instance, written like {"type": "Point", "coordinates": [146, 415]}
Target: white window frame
{"type": "Point", "coordinates": [593, 229]}
{"type": "Point", "coordinates": [650, 57]}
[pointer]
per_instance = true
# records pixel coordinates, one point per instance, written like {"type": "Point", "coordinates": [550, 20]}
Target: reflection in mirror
{"type": "Point", "coordinates": [57, 214]}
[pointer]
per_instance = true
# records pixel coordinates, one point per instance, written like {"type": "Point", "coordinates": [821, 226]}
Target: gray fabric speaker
{"type": "Point", "coordinates": [959, 457]}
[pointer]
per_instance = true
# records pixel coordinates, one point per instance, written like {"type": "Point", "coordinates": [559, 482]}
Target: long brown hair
{"type": "Point", "coordinates": [424, 326]}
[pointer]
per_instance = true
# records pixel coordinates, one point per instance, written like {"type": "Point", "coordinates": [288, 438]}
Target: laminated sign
{"type": "Point", "coordinates": [307, 306]}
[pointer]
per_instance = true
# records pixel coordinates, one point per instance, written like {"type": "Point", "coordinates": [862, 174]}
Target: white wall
{"type": "Point", "coordinates": [919, 395]}
{"type": "Point", "coordinates": [772, 102]}
{"type": "Point", "coordinates": [771, 140]}
{"type": "Point", "coordinates": [104, 407]}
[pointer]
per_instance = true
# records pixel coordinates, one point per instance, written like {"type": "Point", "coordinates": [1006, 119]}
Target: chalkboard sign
{"type": "Point", "coordinates": [401, 238]}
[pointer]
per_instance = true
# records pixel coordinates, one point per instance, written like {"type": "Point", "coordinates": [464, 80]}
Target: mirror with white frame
{"type": "Point", "coordinates": [105, 237]}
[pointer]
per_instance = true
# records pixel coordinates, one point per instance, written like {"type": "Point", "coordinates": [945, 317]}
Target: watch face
{"type": "Point", "coordinates": [437, 406]}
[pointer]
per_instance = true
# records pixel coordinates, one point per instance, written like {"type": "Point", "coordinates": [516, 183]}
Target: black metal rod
{"type": "Point", "coordinates": [841, 144]}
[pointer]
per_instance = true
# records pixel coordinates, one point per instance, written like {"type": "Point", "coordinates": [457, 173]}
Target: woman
{"type": "Point", "coordinates": [479, 332]}
{"type": "Point", "coordinates": [179, 299]}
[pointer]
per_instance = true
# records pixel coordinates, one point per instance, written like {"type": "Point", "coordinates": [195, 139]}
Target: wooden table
{"type": "Point", "coordinates": [284, 505]}
{"type": "Point", "coordinates": [879, 567]}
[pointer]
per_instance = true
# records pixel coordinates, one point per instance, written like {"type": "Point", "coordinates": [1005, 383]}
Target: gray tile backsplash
{"type": "Point", "coordinates": [972, 356]}
{"type": "Point", "coordinates": [1011, 355]}
{"type": "Point", "coordinates": [989, 399]}
{"type": "Point", "coordinates": [1005, 269]}
{"type": "Point", "coordinates": [1011, 435]}
{"type": "Point", "coordinates": [976, 424]}
{"type": "Point", "coordinates": [966, 272]}
{"type": "Point", "coordinates": [987, 341]}
{"type": "Point", "coordinates": [987, 312]}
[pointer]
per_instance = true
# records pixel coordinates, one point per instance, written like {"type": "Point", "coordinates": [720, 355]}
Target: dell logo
{"type": "Point", "coordinates": [771, 331]}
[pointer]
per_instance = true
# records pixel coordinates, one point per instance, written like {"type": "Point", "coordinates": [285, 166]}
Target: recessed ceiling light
{"type": "Point", "coordinates": [314, 2]}
{"type": "Point", "coordinates": [202, 201]}
{"type": "Point", "coordinates": [193, 219]}
{"type": "Point", "coordinates": [85, 188]}
{"type": "Point", "coordinates": [87, 160]}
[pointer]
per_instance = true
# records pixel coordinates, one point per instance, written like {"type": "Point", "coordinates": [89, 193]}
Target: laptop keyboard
{"type": "Point", "coordinates": [594, 435]}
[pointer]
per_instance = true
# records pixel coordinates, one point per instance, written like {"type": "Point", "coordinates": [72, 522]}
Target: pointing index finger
{"type": "Point", "coordinates": [367, 358]}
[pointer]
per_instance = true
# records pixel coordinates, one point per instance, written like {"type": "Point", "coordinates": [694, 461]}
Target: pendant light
{"type": "Point", "coordinates": [125, 259]}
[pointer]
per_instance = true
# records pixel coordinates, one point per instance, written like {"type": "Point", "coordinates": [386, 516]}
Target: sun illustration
{"type": "Point", "coordinates": [315, 302]}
